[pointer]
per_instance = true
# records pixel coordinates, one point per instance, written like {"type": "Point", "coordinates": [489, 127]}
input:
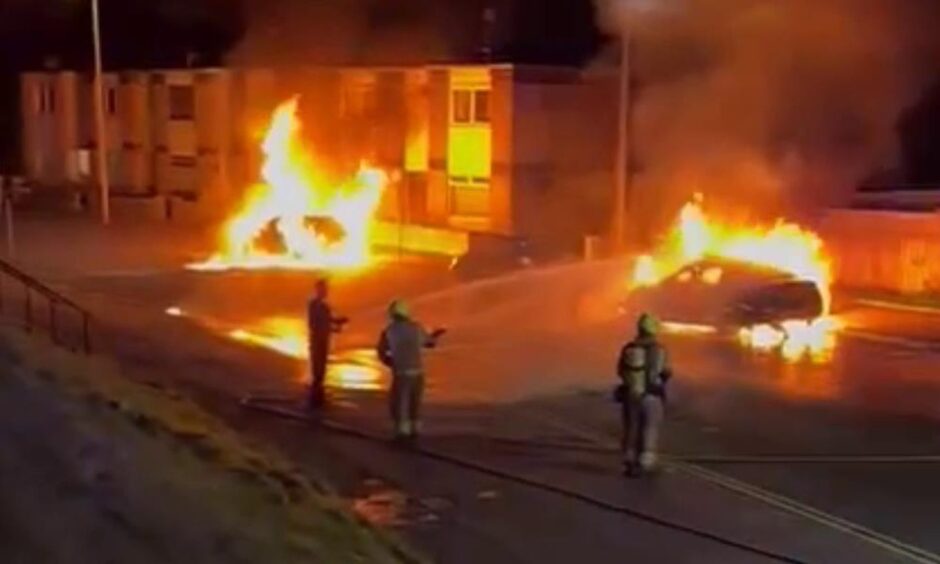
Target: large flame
{"type": "Point", "coordinates": [783, 245]}
{"type": "Point", "coordinates": [319, 224]}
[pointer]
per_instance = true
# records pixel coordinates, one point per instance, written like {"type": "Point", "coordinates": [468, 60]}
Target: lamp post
{"type": "Point", "coordinates": [623, 172]}
{"type": "Point", "coordinates": [101, 134]}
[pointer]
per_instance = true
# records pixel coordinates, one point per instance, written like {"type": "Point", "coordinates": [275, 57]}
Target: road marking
{"type": "Point", "coordinates": [922, 345]}
{"type": "Point", "coordinates": [899, 307]}
{"type": "Point", "coordinates": [733, 459]}
{"type": "Point", "coordinates": [881, 540]}
{"type": "Point", "coordinates": [812, 459]}
{"type": "Point", "coordinates": [861, 532]}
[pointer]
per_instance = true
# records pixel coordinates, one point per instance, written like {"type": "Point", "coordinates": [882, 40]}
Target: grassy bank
{"type": "Point", "coordinates": [97, 468]}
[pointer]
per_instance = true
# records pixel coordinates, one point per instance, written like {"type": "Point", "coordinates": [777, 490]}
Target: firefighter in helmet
{"type": "Point", "coordinates": [400, 348]}
{"type": "Point", "coordinates": [643, 369]}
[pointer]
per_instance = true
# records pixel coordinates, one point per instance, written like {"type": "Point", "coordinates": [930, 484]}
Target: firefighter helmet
{"type": "Point", "coordinates": [647, 324]}
{"type": "Point", "coordinates": [398, 309]}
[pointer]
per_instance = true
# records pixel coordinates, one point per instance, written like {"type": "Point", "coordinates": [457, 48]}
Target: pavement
{"type": "Point", "coordinates": [768, 460]}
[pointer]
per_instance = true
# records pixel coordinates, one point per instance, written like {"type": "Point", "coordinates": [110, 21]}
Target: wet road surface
{"type": "Point", "coordinates": [527, 364]}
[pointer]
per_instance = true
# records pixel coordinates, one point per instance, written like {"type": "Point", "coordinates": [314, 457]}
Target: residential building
{"type": "Point", "coordinates": [502, 149]}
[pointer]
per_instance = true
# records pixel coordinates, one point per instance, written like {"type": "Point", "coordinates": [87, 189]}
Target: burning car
{"type": "Point", "coordinates": [767, 282]}
{"type": "Point", "coordinates": [725, 296]}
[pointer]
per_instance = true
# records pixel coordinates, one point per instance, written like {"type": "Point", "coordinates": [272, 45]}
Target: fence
{"type": "Point", "coordinates": [36, 307]}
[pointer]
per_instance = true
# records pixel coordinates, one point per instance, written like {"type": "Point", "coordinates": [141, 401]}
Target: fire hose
{"type": "Point", "coordinates": [259, 404]}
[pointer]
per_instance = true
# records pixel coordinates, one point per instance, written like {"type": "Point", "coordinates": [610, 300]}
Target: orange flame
{"type": "Point", "coordinates": [356, 369]}
{"type": "Point", "coordinates": [784, 246]}
{"type": "Point", "coordinates": [295, 191]}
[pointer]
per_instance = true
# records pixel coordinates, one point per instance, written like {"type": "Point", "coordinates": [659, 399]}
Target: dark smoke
{"type": "Point", "coordinates": [783, 106]}
{"type": "Point", "coordinates": [357, 32]}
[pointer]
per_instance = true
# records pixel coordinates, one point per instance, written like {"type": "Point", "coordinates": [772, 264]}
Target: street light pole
{"type": "Point", "coordinates": [104, 190]}
{"type": "Point", "coordinates": [622, 174]}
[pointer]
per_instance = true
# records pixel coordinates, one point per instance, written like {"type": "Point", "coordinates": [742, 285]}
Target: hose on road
{"type": "Point", "coordinates": [285, 412]}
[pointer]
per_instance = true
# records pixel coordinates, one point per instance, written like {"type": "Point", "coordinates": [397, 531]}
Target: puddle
{"type": "Point", "coordinates": [384, 506]}
{"type": "Point", "coordinates": [356, 369]}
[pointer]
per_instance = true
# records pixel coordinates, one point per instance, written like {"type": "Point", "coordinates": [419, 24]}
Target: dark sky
{"type": "Point", "coordinates": [164, 33]}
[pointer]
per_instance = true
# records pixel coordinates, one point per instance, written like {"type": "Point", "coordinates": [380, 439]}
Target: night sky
{"type": "Point", "coordinates": [172, 33]}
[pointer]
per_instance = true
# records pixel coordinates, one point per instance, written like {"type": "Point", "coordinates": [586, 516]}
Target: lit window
{"type": "Point", "coordinates": [182, 103]}
{"type": "Point", "coordinates": [462, 106]}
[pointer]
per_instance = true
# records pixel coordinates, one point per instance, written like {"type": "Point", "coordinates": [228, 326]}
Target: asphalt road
{"type": "Point", "coordinates": [830, 462]}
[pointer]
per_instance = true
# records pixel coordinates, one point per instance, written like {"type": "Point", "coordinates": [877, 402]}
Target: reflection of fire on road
{"type": "Point", "coordinates": [783, 246]}
{"type": "Point", "coordinates": [356, 369]}
{"type": "Point", "coordinates": [794, 338]}
{"type": "Point", "coordinates": [297, 217]}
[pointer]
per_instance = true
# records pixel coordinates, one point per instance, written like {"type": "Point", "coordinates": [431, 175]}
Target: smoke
{"type": "Point", "coordinates": [783, 106]}
{"type": "Point", "coordinates": [361, 32]}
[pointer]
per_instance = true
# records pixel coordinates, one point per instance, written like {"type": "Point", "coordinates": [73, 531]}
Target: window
{"type": "Point", "coordinates": [182, 103]}
{"type": "Point", "coordinates": [469, 197]}
{"type": "Point", "coordinates": [358, 100]}
{"type": "Point", "coordinates": [46, 101]}
{"type": "Point", "coordinates": [471, 107]}
{"type": "Point", "coordinates": [111, 101]}
{"type": "Point", "coordinates": [481, 106]}
{"type": "Point", "coordinates": [462, 106]}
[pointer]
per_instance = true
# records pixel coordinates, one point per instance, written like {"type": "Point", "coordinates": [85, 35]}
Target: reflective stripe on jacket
{"type": "Point", "coordinates": [400, 347]}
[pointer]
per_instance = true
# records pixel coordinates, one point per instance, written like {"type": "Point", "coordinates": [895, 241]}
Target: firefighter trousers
{"type": "Point", "coordinates": [405, 403]}
{"type": "Point", "coordinates": [642, 420]}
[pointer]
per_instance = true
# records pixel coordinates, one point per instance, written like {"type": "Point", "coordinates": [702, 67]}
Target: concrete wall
{"type": "Point", "coordinates": [50, 130]}
{"type": "Point", "coordinates": [34, 153]}
{"type": "Point", "coordinates": [438, 138]}
{"type": "Point", "coordinates": [562, 156]}
{"type": "Point", "coordinates": [504, 131]}
{"type": "Point", "coordinates": [214, 124]}
{"type": "Point", "coordinates": [884, 250]}
{"type": "Point", "coordinates": [135, 174]}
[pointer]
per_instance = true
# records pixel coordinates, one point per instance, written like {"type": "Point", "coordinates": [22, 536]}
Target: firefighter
{"type": "Point", "coordinates": [644, 371]}
{"type": "Point", "coordinates": [400, 349]}
{"type": "Point", "coordinates": [321, 324]}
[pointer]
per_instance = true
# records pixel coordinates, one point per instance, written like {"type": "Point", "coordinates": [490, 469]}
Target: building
{"type": "Point", "coordinates": [502, 149]}
{"type": "Point", "coordinates": [886, 241]}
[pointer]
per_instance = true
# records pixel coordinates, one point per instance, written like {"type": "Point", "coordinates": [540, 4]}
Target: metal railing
{"type": "Point", "coordinates": [67, 324]}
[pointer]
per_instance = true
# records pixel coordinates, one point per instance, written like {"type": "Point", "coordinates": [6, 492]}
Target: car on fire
{"type": "Point", "coordinates": [724, 296]}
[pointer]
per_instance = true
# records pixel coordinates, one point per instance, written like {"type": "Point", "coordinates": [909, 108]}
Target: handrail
{"type": "Point", "coordinates": [55, 300]}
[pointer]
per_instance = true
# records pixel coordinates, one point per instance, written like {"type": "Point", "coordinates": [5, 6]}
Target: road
{"type": "Point", "coordinates": [831, 462]}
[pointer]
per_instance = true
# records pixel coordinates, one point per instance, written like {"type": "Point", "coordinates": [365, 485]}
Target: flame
{"type": "Point", "coordinates": [283, 335]}
{"type": "Point", "coordinates": [796, 339]}
{"type": "Point", "coordinates": [356, 369]}
{"type": "Point", "coordinates": [294, 192]}
{"type": "Point", "coordinates": [783, 246]}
